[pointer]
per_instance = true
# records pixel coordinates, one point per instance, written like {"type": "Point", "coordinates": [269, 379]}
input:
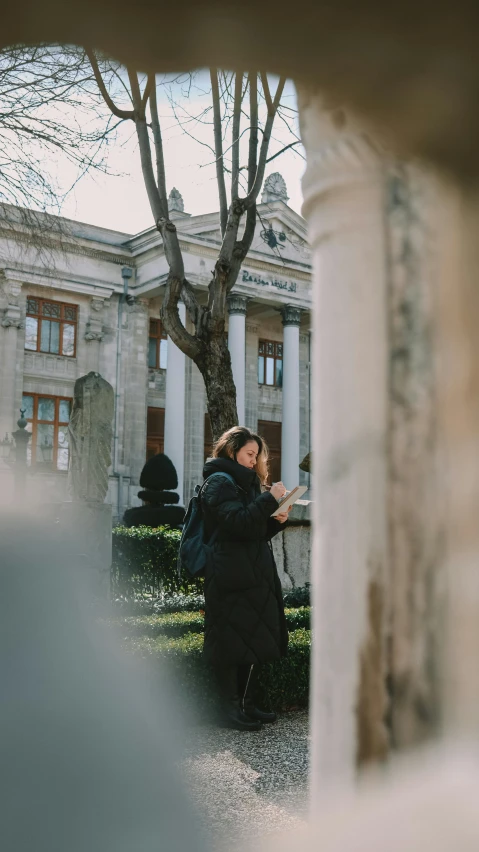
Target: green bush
{"type": "Point", "coordinates": [180, 623]}
{"type": "Point", "coordinates": [144, 564]}
{"type": "Point", "coordinates": [160, 605]}
{"type": "Point", "coordinates": [282, 685]}
{"type": "Point", "coordinates": [144, 577]}
{"type": "Point", "coordinates": [298, 597]}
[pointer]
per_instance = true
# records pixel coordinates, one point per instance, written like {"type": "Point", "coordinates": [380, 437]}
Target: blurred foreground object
{"type": "Point", "coordinates": [89, 742]}
{"type": "Point", "coordinates": [427, 804]}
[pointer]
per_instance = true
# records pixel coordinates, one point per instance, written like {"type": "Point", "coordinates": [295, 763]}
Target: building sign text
{"type": "Point", "coordinates": [290, 286]}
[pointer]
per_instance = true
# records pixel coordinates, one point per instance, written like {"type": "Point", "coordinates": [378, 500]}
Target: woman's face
{"type": "Point", "coordinates": [248, 454]}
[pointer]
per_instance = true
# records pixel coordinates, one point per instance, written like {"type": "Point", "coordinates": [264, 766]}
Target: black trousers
{"type": "Point", "coordinates": [235, 681]}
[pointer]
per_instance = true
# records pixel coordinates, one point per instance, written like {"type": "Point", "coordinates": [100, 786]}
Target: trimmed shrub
{"type": "Point", "coordinates": [298, 597]}
{"type": "Point", "coordinates": [181, 623]}
{"type": "Point", "coordinates": [282, 685]}
{"type": "Point", "coordinates": [144, 565]}
{"type": "Point", "coordinates": [144, 577]}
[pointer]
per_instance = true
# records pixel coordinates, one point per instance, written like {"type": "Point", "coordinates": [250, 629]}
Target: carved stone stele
{"type": "Point", "coordinates": [90, 438]}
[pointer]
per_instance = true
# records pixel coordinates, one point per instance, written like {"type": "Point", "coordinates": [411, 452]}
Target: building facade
{"type": "Point", "coordinates": [89, 299]}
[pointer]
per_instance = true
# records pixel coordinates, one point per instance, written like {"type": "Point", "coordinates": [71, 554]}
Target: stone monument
{"type": "Point", "coordinates": [81, 527]}
{"type": "Point", "coordinates": [90, 438]}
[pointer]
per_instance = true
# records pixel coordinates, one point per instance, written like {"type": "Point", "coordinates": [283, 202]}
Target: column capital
{"type": "Point", "coordinates": [237, 304]}
{"type": "Point", "coordinates": [291, 315]}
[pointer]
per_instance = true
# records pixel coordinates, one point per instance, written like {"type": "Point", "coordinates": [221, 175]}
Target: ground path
{"type": "Point", "coordinates": [249, 784]}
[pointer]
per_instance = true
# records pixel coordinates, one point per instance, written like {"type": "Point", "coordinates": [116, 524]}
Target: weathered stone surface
{"type": "Point", "coordinates": [416, 537]}
{"type": "Point", "coordinates": [292, 548]}
{"type": "Point", "coordinates": [90, 438]}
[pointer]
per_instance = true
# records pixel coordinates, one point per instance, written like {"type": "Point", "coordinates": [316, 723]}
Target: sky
{"type": "Point", "coordinates": [118, 200]}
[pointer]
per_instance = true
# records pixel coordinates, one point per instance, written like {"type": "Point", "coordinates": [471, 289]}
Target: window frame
{"type": "Point", "coordinates": [277, 356]}
{"type": "Point", "coordinates": [61, 321]}
{"type": "Point", "coordinates": [159, 335]}
{"type": "Point", "coordinates": [56, 423]}
{"type": "Point", "coordinates": [155, 438]}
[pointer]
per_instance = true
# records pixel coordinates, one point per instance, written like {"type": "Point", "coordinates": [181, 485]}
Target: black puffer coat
{"type": "Point", "coordinates": [244, 612]}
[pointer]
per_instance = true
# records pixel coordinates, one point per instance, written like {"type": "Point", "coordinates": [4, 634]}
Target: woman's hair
{"type": "Point", "coordinates": [228, 444]}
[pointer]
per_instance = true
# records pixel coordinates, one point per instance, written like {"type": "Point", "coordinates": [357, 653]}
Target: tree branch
{"type": "Point", "coordinates": [150, 85]}
{"type": "Point", "coordinates": [170, 317]}
{"type": "Point", "coordinates": [286, 147]}
{"type": "Point", "coordinates": [147, 163]}
{"type": "Point", "coordinates": [267, 93]}
{"type": "Point", "coordinates": [160, 160]}
{"type": "Point", "coordinates": [236, 135]}
{"type": "Point", "coordinates": [195, 310]}
{"type": "Point", "coordinates": [253, 137]}
{"type": "Point", "coordinates": [124, 114]}
{"type": "Point", "coordinates": [254, 191]}
{"type": "Point", "coordinates": [220, 175]}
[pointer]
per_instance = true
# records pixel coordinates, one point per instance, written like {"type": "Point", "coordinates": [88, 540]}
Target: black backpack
{"type": "Point", "coordinates": [193, 548]}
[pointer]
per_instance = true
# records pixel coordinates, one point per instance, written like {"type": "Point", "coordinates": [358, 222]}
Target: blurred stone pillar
{"type": "Point", "coordinates": [415, 497]}
{"type": "Point", "coordinates": [343, 203]}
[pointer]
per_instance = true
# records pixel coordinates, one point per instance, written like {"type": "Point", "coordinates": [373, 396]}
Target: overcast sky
{"type": "Point", "coordinates": [119, 200]}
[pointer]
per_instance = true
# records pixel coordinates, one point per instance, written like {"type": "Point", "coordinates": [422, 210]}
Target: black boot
{"type": "Point", "coordinates": [232, 714]}
{"type": "Point", "coordinates": [248, 704]}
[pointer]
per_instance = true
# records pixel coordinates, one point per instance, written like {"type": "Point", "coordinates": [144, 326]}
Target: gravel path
{"type": "Point", "coordinates": [249, 784]}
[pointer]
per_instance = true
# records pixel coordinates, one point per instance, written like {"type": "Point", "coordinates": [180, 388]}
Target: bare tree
{"type": "Point", "coordinates": [206, 345]}
{"type": "Point", "coordinates": [50, 109]}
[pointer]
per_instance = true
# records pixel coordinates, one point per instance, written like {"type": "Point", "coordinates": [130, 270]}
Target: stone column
{"type": "Point", "coordinates": [344, 205]}
{"type": "Point", "coordinates": [12, 373]}
{"type": "Point", "coordinates": [290, 436]}
{"type": "Point", "coordinates": [236, 345]}
{"type": "Point", "coordinates": [175, 407]}
{"type": "Point", "coordinates": [133, 389]}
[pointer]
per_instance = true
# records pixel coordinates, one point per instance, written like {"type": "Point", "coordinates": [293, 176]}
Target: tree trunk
{"type": "Point", "coordinates": [214, 364]}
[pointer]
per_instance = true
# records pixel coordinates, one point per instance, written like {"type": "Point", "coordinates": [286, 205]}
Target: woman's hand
{"type": "Point", "coordinates": [278, 491]}
{"type": "Point", "coordinates": [282, 517]}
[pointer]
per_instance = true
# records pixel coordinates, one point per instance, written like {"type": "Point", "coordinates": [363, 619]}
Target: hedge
{"type": "Point", "coordinates": [282, 685]}
{"type": "Point", "coordinates": [144, 575]}
{"type": "Point", "coordinates": [181, 623]}
{"type": "Point", "coordinates": [144, 564]}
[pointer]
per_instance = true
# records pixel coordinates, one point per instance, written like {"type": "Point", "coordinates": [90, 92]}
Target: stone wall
{"type": "Point", "coordinates": [292, 548]}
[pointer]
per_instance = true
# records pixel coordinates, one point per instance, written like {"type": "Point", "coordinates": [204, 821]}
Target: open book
{"type": "Point", "coordinates": [289, 499]}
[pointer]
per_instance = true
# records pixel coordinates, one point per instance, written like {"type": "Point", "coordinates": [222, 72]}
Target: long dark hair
{"type": "Point", "coordinates": [228, 444]}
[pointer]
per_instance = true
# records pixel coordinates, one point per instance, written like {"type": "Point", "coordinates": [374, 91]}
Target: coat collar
{"type": "Point", "coordinates": [243, 476]}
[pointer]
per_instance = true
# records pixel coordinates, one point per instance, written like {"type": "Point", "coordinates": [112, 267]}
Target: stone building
{"type": "Point", "coordinates": [88, 298]}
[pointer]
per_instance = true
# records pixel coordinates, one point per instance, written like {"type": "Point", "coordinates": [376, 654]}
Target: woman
{"type": "Point", "coordinates": [244, 613]}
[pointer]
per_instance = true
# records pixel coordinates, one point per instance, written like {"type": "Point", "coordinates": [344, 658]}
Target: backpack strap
{"type": "Point", "coordinates": [218, 473]}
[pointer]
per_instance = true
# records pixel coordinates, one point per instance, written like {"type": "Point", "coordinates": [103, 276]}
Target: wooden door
{"type": "Point", "coordinates": [155, 432]}
{"type": "Point", "coordinates": [270, 430]}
